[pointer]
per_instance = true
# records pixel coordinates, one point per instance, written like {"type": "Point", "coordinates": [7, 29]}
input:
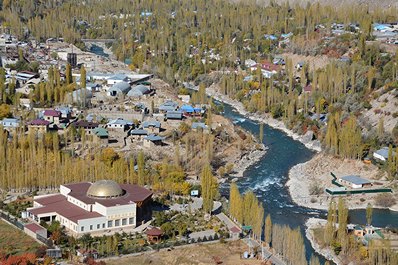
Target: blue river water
{"type": "Point", "coordinates": [267, 180]}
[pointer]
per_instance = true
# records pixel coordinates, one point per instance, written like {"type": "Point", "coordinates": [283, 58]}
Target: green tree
{"type": "Point", "coordinates": [369, 213]}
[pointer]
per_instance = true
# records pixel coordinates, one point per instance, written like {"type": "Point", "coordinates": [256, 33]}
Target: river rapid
{"type": "Point", "coordinates": [267, 179]}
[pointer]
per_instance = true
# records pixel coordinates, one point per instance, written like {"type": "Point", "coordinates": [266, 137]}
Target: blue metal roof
{"type": "Point", "coordinates": [187, 108]}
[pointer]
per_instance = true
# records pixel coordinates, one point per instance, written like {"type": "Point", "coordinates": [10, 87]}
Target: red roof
{"type": "Point", "coordinates": [52, 113]}
{"type": "Point", "coordinates": [235, 229]}
{"type": "Point", "coordinates": [39, 122]}
{"type": "Point", "coordinates": [154, 232]}
{"type": "Point", "coordinates": [269, 66]}
{"type": "Point", "coordinates": [34, 227]}
{"type": "Point", "coordinates": [134, 193]}
{"type": "Point", "coordinates": [59, 204]}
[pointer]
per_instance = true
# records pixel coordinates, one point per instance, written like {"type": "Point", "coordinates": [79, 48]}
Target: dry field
{"type": "Point", "coordinates": [14, 241]}
{"type": "Point", "coordinates": [228, 253]}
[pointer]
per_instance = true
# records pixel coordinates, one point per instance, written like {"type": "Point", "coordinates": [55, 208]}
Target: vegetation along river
{"type": "Point", "coordinates": [267, 180]}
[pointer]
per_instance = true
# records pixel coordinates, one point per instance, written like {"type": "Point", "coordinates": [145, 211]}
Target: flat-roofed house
{"type": "Point", "coordinates": [355, 182]}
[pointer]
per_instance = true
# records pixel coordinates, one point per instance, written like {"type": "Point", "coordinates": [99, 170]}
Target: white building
{"type": "Point", "coordinates": [94, 207]}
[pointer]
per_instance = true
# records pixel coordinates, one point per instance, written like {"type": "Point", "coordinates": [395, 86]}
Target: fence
{"type": "Point", "coordinates": [12, 220]}
{"type": "Point", "coordinates": [45, 241]}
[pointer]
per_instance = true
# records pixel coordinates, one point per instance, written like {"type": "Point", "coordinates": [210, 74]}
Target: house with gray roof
{"type": "Point", "coordinates": [174, 115]}
{"type": "Point", "coordinates": [119, 89]}
{"type": "Point", "coordinates": [139, 91]}
{"type": "Point", "coordinates": [168, 106]}
{"type": "Point", "coordinates": [117, 78]}
{"type": "Point", "coordinates": [152, 140]}
{"type": "Point", "coordinates": [197, 126]}
{"type": "Point", "coordinates": [382, 154]}
{"type": "Point", "coordinates": [10, 123]}
{"type": "Point", "coordinates": [138, 134]}
{"type": "Point", "coordinates": [152, 126]}
{"type": "Point", "coordinates": [118, 124]}
{"type": "Point", "coordinates": [355, 182]}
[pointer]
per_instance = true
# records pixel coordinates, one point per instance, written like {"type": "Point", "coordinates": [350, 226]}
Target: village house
{"type": "Point", "coordinates": [102, 135]}
{"type": "Point", "coordinates": [382, 154]}
{"type": "Point", "coordinates": [87, 126]}
{"type": "Point", "coordinates": [38, 125]}
{"type": "Point", "coordinates": [117, 78]}
{"type": "Point", "coordinates": [168, 106]}
{"type": "Point", "coordinates": [152, 140]}
{"type": "Point", "coordinates": [10, 123]}
{"type": "Point", "coordinates": [174, 115]}
{"type": "Point", "coordinates": [355, 182]}
{"type": "Point", "coordinates": [199, 126]}
{"type": "Point", "coordinates": [152, 126]}
{"type": "Point", "coordinates": [52, 116]}
{"type": "Point", "coordinates": [138, 134]}
{"type": "Point", "coordinates": [118, 124]}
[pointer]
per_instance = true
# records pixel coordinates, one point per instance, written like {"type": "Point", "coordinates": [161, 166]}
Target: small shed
{"type": "Point", "coordinates": [355, 182]}
{"type": "Point", "coordinates": [235, 232]}
{"type": "Point", "coordinates": [154, 235]}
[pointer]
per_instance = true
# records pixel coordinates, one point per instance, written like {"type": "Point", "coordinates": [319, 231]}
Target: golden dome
{"type": "Point", "coordinates": [105, 189]}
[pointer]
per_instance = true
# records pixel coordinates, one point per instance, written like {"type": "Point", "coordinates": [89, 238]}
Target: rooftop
{"type": "Point", "coordinates": [357, 180]}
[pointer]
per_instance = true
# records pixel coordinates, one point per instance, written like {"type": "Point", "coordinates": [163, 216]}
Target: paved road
{"type": "Point", "coordinates": [225, 219]}
{"type": "Point", "coordinates": [267, 254]}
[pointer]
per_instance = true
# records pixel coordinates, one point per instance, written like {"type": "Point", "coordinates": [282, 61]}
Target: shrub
{"type": "Point", "coordinates": [315, 189]}
{"type": "Point", "coordinates": [385, 200]}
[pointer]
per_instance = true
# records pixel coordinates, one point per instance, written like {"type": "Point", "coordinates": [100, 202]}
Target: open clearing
{"type": "Point", "coordinates": [228, 253]}
{"type": "Point", "coordinates": [14, 241]}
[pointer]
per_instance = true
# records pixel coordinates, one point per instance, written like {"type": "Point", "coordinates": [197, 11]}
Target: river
{"type": "Point", "coordinates": [267, 180]}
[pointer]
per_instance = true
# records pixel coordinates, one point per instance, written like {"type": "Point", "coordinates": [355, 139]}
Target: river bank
{"type": "Point", "coordinates": [311, 224]}
{"type": "Point", "coordinates": [315, 174]}
{"type": "Point", "coordinates": [212, 91]}
{"type": "Point", "coordinates": [247, 161]}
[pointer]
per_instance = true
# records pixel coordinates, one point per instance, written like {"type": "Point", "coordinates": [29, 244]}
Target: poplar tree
{"type": "Point", "coordinates": [209, 188]}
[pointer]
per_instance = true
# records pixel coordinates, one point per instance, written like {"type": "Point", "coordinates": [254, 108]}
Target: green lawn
{"type": "Point", "coordinates": [14, 241]}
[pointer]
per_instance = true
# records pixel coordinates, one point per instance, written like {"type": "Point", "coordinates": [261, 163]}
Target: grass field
{"type": "Point", "coordinates": [14, 241]}
{"type": "Point", "coordinates": [228, 253]}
